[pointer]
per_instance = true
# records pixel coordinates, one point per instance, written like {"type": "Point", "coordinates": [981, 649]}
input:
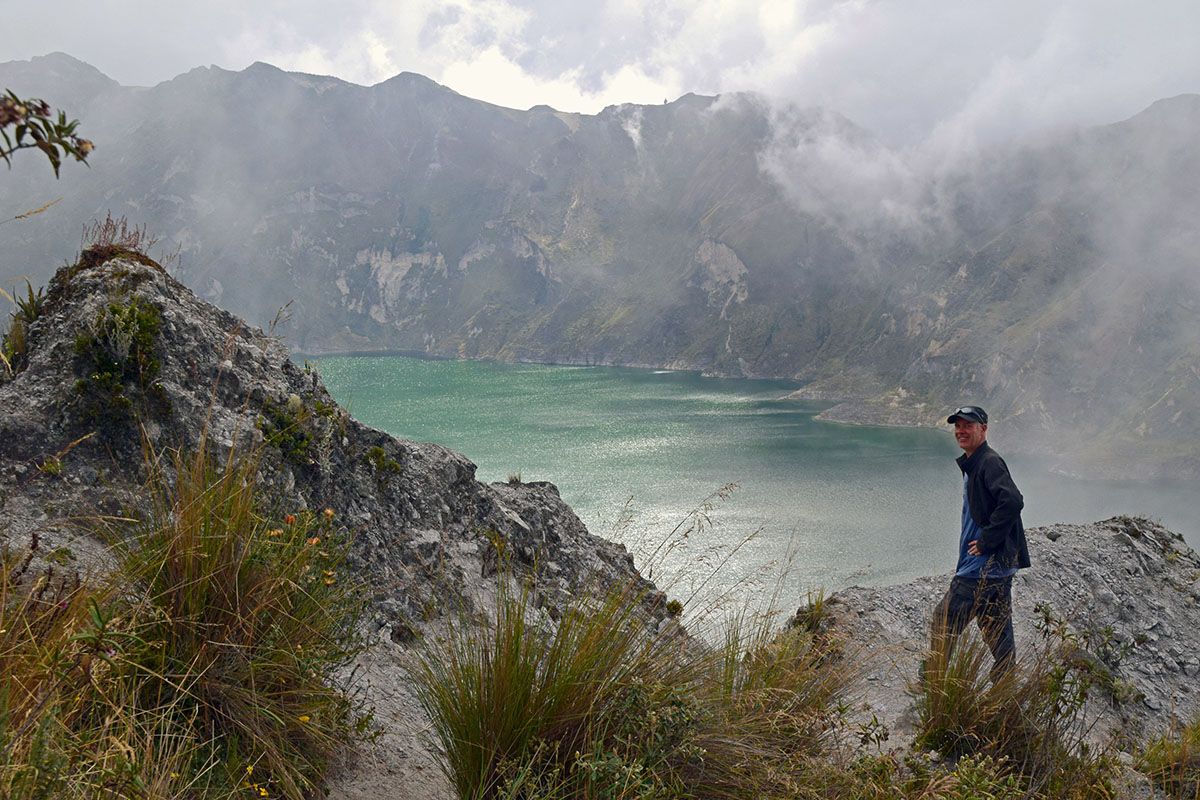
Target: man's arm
{"type": "Point", "coordinates": [1009, 503]}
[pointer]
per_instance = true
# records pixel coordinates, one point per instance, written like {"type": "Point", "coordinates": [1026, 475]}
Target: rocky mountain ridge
{"type": "Point", "coordinates": [1052, 281]}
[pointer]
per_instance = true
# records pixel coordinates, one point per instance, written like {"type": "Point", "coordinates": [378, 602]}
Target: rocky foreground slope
{"type": "Point", "coordinates": [1125, 580]}
{"type": "Point", "coordinates": [120, 350]}
{"type": "Point", "coordinates": [425, 532]}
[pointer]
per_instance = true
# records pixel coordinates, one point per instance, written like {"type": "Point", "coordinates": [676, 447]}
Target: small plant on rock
{"type": "Point", "coordinates": [812, 615]}
{"type": "Point", "coordinates": [115, 353]}
{"type": "Point", "coordinates": [107, 239]}
{"type": "Point", "coordinates": [285, 426]}
{"type": "Point", "coordinates": [378, 458]}
{"type": "Point", "coordinates": [14, 346]}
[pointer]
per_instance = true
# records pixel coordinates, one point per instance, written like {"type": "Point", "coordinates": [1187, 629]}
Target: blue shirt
{"type": "Point", "coordinates": [970, 566]}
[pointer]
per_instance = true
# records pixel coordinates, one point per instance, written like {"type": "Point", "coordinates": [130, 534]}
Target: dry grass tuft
{"type": "Point", "coordinates": [203, 668]}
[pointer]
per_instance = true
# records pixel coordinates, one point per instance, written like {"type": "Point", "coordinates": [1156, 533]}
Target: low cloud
{"type": "Point", "coordinates": [830, 169]}
{"type": "Point", "coordinates": [955, 73]}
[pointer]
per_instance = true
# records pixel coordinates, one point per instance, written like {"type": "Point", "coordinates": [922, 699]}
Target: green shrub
{"type": "Point", "coordinates": [285, 426]}
{"type": "Point", "coordinates": [378, 458]}
{"type": "Point", "coordinates": [981, 776]}
{"type": "Point", "coordinates": [885, 777]}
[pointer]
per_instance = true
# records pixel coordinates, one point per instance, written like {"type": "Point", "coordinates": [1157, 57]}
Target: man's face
{"type": "Point", "coordinates": [969, 435]}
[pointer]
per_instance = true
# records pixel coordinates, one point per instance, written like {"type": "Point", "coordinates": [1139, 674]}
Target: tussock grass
{"type": "Point", "coordinates": [204, 667]}
{"type": "Point", "coordinates": [516, 703]}
{"type": "Point", "coordinates": [599, 704]}
{"type": "Point", "coordinates": [1173, 762]}
{"type": "Point", "coordinates": [1030, 717]}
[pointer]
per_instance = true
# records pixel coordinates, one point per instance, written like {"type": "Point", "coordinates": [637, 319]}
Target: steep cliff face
{"type": "Point", "coordinates": [121, 351]}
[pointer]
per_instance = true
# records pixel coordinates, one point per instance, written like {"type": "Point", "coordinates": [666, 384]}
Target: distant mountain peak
{"type": "Point", "coordinates": [59, 78]}
{"type": "Point", "coordinates": [1179, 104]}
{"type": "Point", "coordinates": [59, 64]}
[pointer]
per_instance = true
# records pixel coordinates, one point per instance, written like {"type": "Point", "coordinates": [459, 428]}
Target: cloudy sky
{"type": "Point", "coordinates": [903, 68]}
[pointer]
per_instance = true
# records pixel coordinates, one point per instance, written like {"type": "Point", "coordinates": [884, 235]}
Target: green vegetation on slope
{"type": "Point", "coordinates": [205, 666]}
{"type": "Point", "coordinates": [596, 706]}
{"type": "Point", "coordinates": [1173, 762]}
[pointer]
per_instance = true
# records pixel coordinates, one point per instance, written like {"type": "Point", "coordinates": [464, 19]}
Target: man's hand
{"type": "Point", "coordinates": [973, 547]}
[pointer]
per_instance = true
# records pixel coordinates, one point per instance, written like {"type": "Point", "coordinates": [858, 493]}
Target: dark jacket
{"type": "Point", "coordinates": [995, 505]}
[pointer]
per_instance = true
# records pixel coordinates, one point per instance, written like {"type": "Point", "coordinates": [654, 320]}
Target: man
{"type": "Point", "coordinates": [991, 547]}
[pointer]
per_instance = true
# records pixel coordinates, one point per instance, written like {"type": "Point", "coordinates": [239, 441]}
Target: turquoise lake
{"type": "Point", "coordinates": [635, 450]}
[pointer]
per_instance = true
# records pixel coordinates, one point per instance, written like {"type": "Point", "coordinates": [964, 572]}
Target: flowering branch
{"type": "Point", "coordinates": [34, 125]}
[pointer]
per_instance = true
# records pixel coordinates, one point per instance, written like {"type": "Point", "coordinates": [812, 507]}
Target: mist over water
{"type": "Point", "coordinates": [634, 451]}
